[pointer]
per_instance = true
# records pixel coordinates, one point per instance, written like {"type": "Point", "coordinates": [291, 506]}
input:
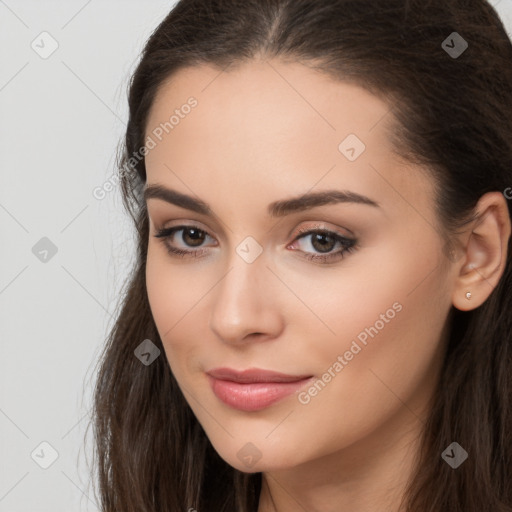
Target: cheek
{"type": "Point", "coordinates": [171, 300]}
{"type": "Point", "coordinates": [377, 301]}
{"type": "Point", "coordinates": [162, 288]}
{"type": "Point", "coordinates": [387, 336]}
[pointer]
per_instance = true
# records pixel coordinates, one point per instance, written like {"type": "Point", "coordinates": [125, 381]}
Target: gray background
{"type": "Point", "coordinates": [61, 118]}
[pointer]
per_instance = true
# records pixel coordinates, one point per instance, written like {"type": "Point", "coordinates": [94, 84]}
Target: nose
{"type": "Point", "coordinates": [245, 303]}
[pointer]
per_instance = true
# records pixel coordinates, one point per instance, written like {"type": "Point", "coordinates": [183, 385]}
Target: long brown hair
{"type": "Point", "coordinates": [454, 115]}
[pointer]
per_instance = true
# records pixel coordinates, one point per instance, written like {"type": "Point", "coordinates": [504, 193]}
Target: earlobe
{"type": "Point", "coordinates": [485, 253]}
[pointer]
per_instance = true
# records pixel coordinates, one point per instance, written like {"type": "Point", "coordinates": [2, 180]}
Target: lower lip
{"type": "Point", "coordinates": [254, 396]}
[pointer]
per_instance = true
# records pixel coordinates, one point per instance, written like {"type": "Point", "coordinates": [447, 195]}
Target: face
{"type": "Point", "coordinates": [344, 294]}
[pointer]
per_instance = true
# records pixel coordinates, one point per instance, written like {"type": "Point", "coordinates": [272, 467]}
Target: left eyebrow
{"type": "Point", "coordinates": [276, 209]}
{"type": "Point", "coordinates": [311, 200]}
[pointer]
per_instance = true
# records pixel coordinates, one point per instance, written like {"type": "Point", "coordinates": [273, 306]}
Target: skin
{"type": "Point", "coordinates": [267, 131]}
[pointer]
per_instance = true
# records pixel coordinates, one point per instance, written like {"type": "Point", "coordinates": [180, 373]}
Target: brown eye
{"type": "Point", "coordinates": [324, 241]}
{"type": "Point", "coordinates": [193, 237]}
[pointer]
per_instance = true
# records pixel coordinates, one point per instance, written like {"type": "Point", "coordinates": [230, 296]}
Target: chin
{"type": "Point", "coordinates": [251, 457]}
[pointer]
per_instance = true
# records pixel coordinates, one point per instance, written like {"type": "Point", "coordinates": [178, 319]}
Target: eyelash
{"type": "Point", "coordinates": [348, 244]}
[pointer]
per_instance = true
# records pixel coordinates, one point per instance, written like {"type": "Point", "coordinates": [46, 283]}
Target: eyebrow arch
{"type": "Point", "coordinates": [275, 209]}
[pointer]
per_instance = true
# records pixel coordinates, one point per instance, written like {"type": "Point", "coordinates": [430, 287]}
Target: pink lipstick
{"type": "Point", "coordinates": [253, 389]}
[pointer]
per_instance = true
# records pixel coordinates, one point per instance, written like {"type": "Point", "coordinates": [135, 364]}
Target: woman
{"type": "Point", "coordinates": [319, 315]}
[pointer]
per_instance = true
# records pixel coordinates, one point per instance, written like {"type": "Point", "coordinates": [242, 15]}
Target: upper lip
{"type": "Point", "coordinates": [252, 375]}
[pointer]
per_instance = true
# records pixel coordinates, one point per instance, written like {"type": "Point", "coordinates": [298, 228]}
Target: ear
{"type": "Point", "coordinates": [484, 252]}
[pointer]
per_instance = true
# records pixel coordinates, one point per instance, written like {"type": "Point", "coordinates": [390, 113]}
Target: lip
{"type": "Point", "coordinates": [252, 375]}
{"type": "Point", "coordinates": [253, 389]}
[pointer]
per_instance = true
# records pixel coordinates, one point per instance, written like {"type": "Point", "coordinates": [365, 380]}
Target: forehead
{"type": "Point", "coordinates": [279, 126]}
{"type": "Point", "coordinates": [273, 95]}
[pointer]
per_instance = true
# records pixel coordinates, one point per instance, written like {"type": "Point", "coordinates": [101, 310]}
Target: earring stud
{"type": "Point", "coordinates": [468, 295]}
